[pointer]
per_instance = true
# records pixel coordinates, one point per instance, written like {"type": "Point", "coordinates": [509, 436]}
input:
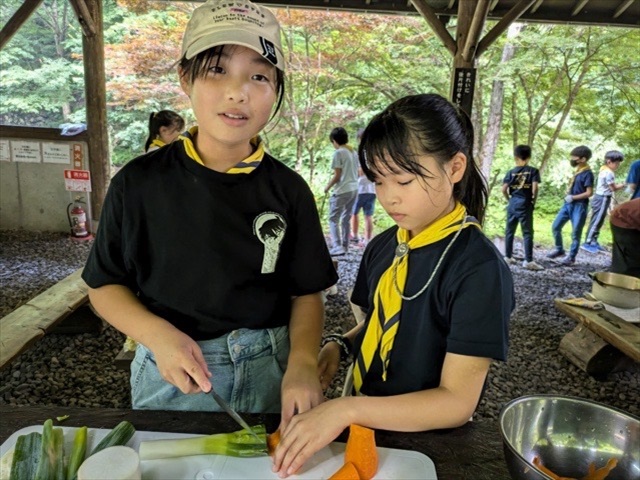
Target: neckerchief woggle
{"type": "Point", "coordinates": [387, 302]}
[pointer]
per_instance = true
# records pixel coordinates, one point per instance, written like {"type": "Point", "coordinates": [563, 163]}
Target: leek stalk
{"type": "Point", "coordinates": [235, 444]}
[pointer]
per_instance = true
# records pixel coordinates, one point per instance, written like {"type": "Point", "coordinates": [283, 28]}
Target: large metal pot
{"type": "Point", "coordinates": [615, 289]}
{"type": "Point", "coordinates": [568, 434]}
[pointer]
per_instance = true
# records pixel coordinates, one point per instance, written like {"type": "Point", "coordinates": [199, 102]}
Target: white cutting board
{"type": "Point", "coordinates": [393, 464]}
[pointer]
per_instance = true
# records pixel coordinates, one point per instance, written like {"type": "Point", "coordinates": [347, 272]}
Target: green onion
{"type": "Point", "coordinates": [235, 444]}
{"type": "Point", "coordinates": [77, 452]}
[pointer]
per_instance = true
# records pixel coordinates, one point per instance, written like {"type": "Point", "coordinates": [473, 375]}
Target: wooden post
{"type": "Point", "coordinates": [15, 22]}
{"type": "Point", "coordinates": [96, 101]}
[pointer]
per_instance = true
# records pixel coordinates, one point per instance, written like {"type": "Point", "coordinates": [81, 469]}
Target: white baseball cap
{"type": "Point", "coordinates": [229, 22]}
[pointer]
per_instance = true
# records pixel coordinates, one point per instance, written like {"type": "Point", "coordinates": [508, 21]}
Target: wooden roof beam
{"type": "Point", "coordinates": [536, 6]}
{"type": "Point", "coordinates": [500, 27]}
{"type": "Point", "coordinates": [623, 6]}
{"type": "Point", "coordinates": [17, 20]}
{"type": "Point", "coordinates": [579, 6]}
{"type": "Point", "coordinates": [436, 24]}
{"type": "Point", "coordinates": [479, 17]}
{"type": "Point", "coordinates": [84, 17]}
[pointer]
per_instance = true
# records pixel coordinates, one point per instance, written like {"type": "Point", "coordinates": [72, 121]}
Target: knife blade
{"type": "Point", "coordinates": [232, 413]}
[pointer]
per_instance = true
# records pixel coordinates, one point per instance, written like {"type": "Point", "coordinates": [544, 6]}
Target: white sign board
{"type": "Point", "coordinates": [56, 153]}
{"type": "Point", "coordinates": [77, 180]}
{"type": "Point", "coordinates": [5, 151]}
{"type": "Point", "coordinates": [25, 151]}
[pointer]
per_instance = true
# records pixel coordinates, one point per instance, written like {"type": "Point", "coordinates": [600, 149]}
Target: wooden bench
{"type": "Point", "coordinates": [27, 324]}
{"type": "Point", "coordinates": [601, 343]}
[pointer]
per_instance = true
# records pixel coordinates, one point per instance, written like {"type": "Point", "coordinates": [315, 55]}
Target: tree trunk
{"type": "Point", "coordinates": [494, 123]}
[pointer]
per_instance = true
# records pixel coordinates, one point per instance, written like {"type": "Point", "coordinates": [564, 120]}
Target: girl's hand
{"type": "Point", "coordinates": [328, 363]}
{"type": "Point", "coordinates": [307, 433]}
{"type": "Point", "coordinates": [181, 363]}
{"type": "Point", "coordinates": [301, 391]}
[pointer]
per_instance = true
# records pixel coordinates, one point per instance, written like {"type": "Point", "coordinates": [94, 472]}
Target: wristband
{"type": "Point", "coordinates": [342, 341]}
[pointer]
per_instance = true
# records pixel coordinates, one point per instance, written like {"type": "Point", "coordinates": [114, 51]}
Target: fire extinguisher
{"type": "Point", "coordinates": [77, 219]}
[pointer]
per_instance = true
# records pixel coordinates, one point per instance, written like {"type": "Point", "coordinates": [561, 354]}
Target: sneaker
{"type": "Point", "coordinates": [600, 248]}
{"type": "Point", "coordinates": [558, 252]}
{"type": "Point", "coordinates": [354, 240]}
{"type": "Point", "coordinates": [336, 251]}
{"type": "Point", "coordinates": [567, 261]}
{"type": "Point", "coordinates": [532, 266]}
{"type": "Point", "coordinates": [588, 247]}
{"type": "Point", "coordinates": [510, 260]}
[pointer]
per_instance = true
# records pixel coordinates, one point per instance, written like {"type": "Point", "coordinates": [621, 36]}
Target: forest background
{"type": "Point", "coordinates": [550, 86]}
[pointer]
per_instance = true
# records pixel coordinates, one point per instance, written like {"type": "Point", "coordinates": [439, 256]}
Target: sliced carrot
{"type": "Point", "coordinates": [361, 451]}
{"type": "Point", "coordinates": [601, 473]}
{"type": "Point", "coordinates": [273, 439]}
{"type": "Point", "coordinates": [347, 472]}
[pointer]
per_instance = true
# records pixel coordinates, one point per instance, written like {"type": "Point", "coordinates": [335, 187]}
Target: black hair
{"type": "Point", "coordinates": [523, 152]}
{"type": "Point", "coordinates": [163, 118]}
{"type": "Point", "coordinates": [426, 124]}
{"type": "Point", "coordinates": [339, 135]}
{"type": "Point", "coordinates": [199, 66]}
{"type": "Point", "coordinates": [581, 152]}
{"type": "Point", "coordinates": [614, 156]}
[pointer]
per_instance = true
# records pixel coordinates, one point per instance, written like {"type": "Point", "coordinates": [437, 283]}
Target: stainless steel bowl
{"type": "Point", "coordinates": [567, 434]}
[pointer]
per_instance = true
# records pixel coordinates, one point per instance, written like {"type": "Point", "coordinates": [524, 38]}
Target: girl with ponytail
{"type": "Point", "coordinates": [437, 293]}
{"type": "Point", "coordinates": [164, 127]}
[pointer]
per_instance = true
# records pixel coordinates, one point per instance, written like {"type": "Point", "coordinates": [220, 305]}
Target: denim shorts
{"type": "Point", "coordinates": [247, 367]}
{"type": "Point", "coordinates": [366, 202]}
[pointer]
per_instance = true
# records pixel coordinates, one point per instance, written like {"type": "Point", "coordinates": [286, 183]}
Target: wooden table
{"type": "Point", "coordinates": [599, 341]}
{"type": "Point", "coordinates": [472, 452]}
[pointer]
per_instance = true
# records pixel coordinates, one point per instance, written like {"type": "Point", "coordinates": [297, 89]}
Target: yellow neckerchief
{"type": "Point", "coordinates": [247, 165]}
{"type": "Point", "coordinates": [387, 301]}
{"type": "Point", "coordinates": [605, 167]}
{"type": "Point", "coordinates": [581, 169]}
{"type": "Point", "coordinates": [157, 143]}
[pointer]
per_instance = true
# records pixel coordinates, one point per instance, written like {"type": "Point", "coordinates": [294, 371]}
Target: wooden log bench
{"type": "Point", "coordinates": [51, 310]}
{"type": "Point", "coordinates": [601, 343]}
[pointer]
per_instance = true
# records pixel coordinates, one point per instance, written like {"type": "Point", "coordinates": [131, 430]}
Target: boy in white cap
{"type": "Point", "coordinates": [210, 252]}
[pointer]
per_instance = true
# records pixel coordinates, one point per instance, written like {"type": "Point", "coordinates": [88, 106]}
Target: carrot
{"type": "Point", "coordinates": [601, 473]}
{"type": "Point", "coordinates": [273, 439]}
{"type": "Point", "coordinates": [347, 472]}
{"type": "Point", "coordinates": [361, 451]}
{"type": "Point", "coordinates": [538, 463]}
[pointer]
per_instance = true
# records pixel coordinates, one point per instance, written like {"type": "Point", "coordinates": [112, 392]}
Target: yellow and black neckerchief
{"type": "Point", "coordinates": [387, 300]}
{"type": "Point", "coordinates": [247, 165]}
{"type": "Point", "coordinates": [581, 169]}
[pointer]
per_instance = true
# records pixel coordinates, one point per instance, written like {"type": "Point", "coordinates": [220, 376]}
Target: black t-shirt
{"type": "Point", "coordinates": [210, 252]}
{"type": "Point", "coordinates": [465, 310]}
{"type": "Point", "coordinates": [520, 180]}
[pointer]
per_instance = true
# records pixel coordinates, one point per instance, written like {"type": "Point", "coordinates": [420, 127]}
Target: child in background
{"type": "Point", "coordinates": [520, 188]}
{"type": "Point", "coordinates": [366, 202]}
{"type": "Point", "coordinates": [575, 206]}
{"type": "Point", "coordinates": [605, 188]}
{"type": "Point", "coordinates": [345, 190]}
{"type": "Point", "coordinates": [210, 253]}
{"type": "Point", "coordinates": [438, 294]}
{"type": "Point", "coordinates": [164, 127]}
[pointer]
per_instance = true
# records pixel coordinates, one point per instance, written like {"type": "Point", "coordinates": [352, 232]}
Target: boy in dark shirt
{"type": "Point", "coordinates": [575, 205]}
{"type": "Point", "coordinates": [520, 188]}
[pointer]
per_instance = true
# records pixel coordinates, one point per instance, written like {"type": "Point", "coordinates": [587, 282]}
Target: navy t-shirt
{"type": "Point", "coordinates": [582, 181]}
{"type": "Point", "coordinates": [465, 310]}
{"type": "Point", "coordinates": [210, 252]}
{"type": "Point", "coordinates": [520, 181]}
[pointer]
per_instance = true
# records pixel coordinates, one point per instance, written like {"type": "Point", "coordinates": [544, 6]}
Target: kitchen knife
{"type": "Point", "coordinates": [232, 413]}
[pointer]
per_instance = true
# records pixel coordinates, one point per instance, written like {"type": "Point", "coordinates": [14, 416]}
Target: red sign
{"type": "Point", "coordinates": [77, 180]}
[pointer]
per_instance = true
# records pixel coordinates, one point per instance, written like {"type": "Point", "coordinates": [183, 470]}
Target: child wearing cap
{"type": "Point", "coordinates": [575, 206]}
{"type": "Point", "coordinates": [605, 188]}
{"type": "Point", "coordinates": [210, 252]}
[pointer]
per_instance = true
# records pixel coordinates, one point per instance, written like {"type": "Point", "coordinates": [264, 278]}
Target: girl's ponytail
{"type": "Point", "coordinates": [154, 130]}
{"type": "Point", "coordinates": [472, 189]}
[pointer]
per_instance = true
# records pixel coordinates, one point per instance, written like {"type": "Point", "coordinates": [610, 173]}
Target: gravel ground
{"type": "Point", "coordinates": [78, 369]}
